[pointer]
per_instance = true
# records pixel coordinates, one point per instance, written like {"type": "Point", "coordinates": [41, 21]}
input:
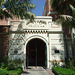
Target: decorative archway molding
{"type": "Point", "coordinates": [41, 38]}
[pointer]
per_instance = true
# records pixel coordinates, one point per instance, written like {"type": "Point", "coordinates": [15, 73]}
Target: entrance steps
{"type": "Point", "coordinates": [36, 68]}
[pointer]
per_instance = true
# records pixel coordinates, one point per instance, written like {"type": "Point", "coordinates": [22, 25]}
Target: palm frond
{"type": "Point", "coordinates": [19, 8]}
{"type": "Point", "coordinates": [72, 11]}
{"type": "Point", "coordinates": [65, 20]}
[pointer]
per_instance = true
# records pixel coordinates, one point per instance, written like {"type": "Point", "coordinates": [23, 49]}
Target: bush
{"type": "Point", "coordinates": [55, 64]}
{"type": "Point", "coordinates": [10, 67]}
{"type": "Point", "coordinates": [18, 71]}
{"type": "Point", "coordinates": [13, 64]}
{"type": "Point", "coordinates": [10, 72]}
{"type": "Point", "coordinates": [69, 64]}
{"type": "Point", "coordinates": [4, 62]}
{"type": "Point", "coordinates": [73, 68]}
{"type": "Point", "coordinates": [63, 71]}
{"type": "Point", "coordinates": [3, 72]}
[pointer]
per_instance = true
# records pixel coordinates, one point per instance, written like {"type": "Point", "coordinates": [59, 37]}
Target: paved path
{"type": "Point", "coordinates": [37, 71]}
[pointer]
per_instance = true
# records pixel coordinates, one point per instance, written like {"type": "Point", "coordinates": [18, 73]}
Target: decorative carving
{"type": "Point", "coordinates": [37, 24]}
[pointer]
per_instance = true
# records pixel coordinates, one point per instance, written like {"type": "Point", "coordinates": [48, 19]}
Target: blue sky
{"type": "Point", "coordinates": [39, 7]}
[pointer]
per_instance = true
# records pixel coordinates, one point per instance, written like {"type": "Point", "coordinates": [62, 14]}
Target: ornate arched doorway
{"type": "Point", "coordinates": [36, 53]}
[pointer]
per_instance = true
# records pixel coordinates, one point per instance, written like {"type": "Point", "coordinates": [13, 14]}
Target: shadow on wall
{"type": "Point", "coordinates": [66, 44]}
{"type": "Point", "coordinates": [58, 51]}
{"type": "Point", "coordinates": [57, 54]}
{"type": "Point", "coordinates": [16, 43]}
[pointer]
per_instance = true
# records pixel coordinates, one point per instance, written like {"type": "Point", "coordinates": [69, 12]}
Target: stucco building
{"type": "Point", "coordinates": [37, 43]}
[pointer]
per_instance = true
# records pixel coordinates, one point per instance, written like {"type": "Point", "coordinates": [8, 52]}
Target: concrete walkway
{"type": "Point", "coordinates": [37, 71]}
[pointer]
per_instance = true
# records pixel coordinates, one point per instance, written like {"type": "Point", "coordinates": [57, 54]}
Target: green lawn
{"type": "Point", "coordinates": [63, 71]}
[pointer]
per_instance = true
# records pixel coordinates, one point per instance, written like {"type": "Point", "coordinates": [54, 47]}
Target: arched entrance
{"type": "Point", "coordinates": [36, 53]}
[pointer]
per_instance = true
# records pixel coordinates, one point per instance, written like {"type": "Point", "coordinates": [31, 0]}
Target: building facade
{"type": "Point", "coordinates": [67, 32]}
{"type": "Point", "coordinates": [4, 36]}
{"type": "Point", "coordinates": [48, 11]}
{"type": "Point", "coordinates": [37, 43]}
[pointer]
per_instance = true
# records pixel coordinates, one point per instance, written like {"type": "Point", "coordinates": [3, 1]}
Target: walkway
{"type": "Point", "coordinates": [37, 71]}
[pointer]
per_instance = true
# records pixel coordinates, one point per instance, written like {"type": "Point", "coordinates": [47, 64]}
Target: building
{"type": "Point", "coordinates": [37, 43]}
{"type": "Point", "coordinates": [4, 36]}
{"type": "Point", "coordinates": [48, 11]}
{"type": "Point", "coordinates": [67, 33]}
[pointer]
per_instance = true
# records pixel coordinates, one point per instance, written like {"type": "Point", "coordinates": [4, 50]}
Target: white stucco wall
{"type": "Point", "coordinates": [23, 31]}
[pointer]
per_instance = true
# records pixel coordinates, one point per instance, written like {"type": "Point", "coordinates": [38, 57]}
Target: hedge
{"type": "Point", "coordinates": [63, 71]}
{"type": "Point", "coordinates": [10, 72]}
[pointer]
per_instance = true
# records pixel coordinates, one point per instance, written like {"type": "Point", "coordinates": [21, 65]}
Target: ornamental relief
{"type": "Point", "coordinates": [37, 24]}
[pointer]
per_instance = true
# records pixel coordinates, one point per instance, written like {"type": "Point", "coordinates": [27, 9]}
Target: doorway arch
{"type": "Point", "coordinates": [36, 53]}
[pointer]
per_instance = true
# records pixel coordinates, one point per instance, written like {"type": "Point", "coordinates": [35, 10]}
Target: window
{"type": "Point", "coordinates": [15, 51]}
{"type": "Point", "coordinates": [56, 51]}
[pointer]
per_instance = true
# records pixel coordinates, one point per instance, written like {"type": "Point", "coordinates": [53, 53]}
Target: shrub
{"type": "Point", "coordinates": [10, 67]}
{"type": "Point", "coordinates": [63, 71]}
{"type": "Point", "coordinates": [13, 64]}
{"type": "Point", "coordinates": [3, 72]}
{"type": "Point", "coordinates": [69, 64]}
{"type": "Point", "coordinates": [18, 71]}
{"type": "Point", "coordinates": [55, 63]}
{"type": "Point", "coordinates": [10, 72]}
{"type": "Point", "coordinates": [4, 62]}
{"type": "Point", "coordinates": [73, 68]}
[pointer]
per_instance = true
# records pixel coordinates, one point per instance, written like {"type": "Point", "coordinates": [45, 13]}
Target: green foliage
{"type": "Point", "coordinates": [10, 64]}
{"type": "Point", "coordinates": [55, 64]}
{"type": "Point", "coordinates": [3, 71]}
{"type": "Point", "coordinates": [13, 64]}
{"type": "Point", "coordinates": [62, 6]}
{"type": "Point", "coordinates": [66, 10]}
{"type": "Point", "coordinates": [18, 71]}
{"type": "Point", "coordinates": [10, 67]}
{"type": "Point", "coordinates": [10, 72]}
{"type": "Point", "coordinates": [72, 11]}
{"type": "Point", "coordinates": [55, 4]}
{"type": "Point", "coordinates": [3, 66]}
{"type": "Point", "coordinates": [4, 62]}
{"type": "Point", "coordinates": [19, 8]}
{"type": "Point", "coordinates": [67, 20]}
{"type": "Point", "coordinates": [73, 68]}
{"type": "Point", "coordinates": [63, 71]}
{"type": "Point", "coordinates": [69, 64]}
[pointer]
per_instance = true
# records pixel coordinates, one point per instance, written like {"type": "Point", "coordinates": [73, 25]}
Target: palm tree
{"type": "Point", "coordinates": [9, 9]}
{"type": "Point", "coordinates": [69, 21]}
{"type": "Point", "coordinates": [63, 8]}
{"type": "Point", "coordinates": [19, 8]}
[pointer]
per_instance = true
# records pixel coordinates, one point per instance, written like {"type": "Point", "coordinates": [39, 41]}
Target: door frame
{"type": "Point", "coordinates": [27, 58]}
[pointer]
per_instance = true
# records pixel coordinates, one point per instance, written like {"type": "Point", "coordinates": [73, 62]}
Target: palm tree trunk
{"type": "Point", "coordinates": [66, 43]}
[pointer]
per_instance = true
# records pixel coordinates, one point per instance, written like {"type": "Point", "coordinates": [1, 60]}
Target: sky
{"type": "Point", "coordinates": [39, 7]}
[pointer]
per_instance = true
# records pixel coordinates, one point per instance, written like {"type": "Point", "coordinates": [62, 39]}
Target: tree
{"type": "Point", "coordinates": [9, 9]}
{"type": "Point", "coordinates": [62, 6]}
{"type": "Point", "coordinates": [65, 9]}
{"type": "Point", "coordinates": [19, 8]}
{"type": "Point", "coordinates": [69, 20]}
